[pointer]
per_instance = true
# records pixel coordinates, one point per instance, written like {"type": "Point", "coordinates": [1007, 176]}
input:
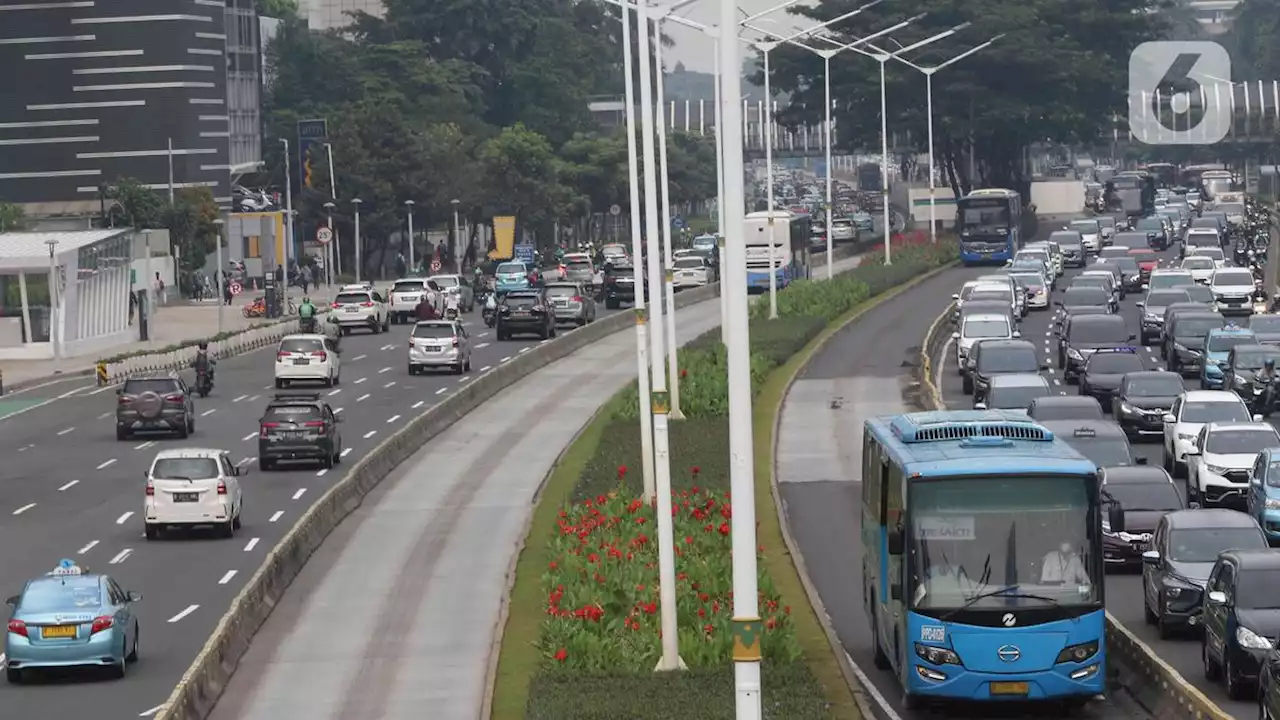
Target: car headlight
{"type": "Point", "coordinates": [1078, 653]}
{"type": "Point", "coordinates": [1075, 355]}
{"type": "Point", "coordinates": [1217, 469]}
{"type": "Point", "coordinates": [1251, 640]}
{"type": "Point", "coordinates": [1272, 504]}
{"type": "Point", "coordinates": [936, 655]}
{"type": "Point", "coordinates": [1127, 409]}
{"type": "Point", "coordinates": [1186, 437]}
{"type": "Point", "coordinates": [1152, 317]}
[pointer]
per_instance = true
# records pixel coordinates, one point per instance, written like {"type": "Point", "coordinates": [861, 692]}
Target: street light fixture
{"type": "Point", "coordinates": [220, 273]}
{"type": "Point", "coordinates": [409, 211]}
{"type": "Point", "coordinates": [457, 235]}
{"type": "Point", "coordinates": [359, 260]}
{"type": "Point", "coordinates": [288, 241]}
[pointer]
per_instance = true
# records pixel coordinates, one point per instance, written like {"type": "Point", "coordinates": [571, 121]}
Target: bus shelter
{"type": "Point", "coordinates": [72, 286]}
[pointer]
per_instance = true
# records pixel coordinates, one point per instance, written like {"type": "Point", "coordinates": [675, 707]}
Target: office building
{"type": "Point", "coordinates": [330, 14]}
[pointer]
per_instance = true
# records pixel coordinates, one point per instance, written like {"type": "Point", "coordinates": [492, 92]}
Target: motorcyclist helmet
{"type": "Point", "coordinates": [1270, 365]}
{"type": "Point", "coordinates": [202, 345]}
{"type": "Point", "coordinates": [306, 301]}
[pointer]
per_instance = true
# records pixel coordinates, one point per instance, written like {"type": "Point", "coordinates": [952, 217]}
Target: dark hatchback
{"type": "Point", "coordinates": [1243, 362]}
{"type": "Point", "coordinates": [1080, 296]}
{"type": "Point", "coordinates": [1143, 398]}
{"type": "Point", "coordinates": [989, 358]}
{"type": "Point", "coordinates": [1146, 494]}
{"type": "Point", "coordinates": [1184, 340]}
{"type": "Point", "coordinates": [1241, 618]}
{"type": "Point", "coordinates": [1105, 369]}
{"type": "Point", "coordinates": [1153, 307]}
{"type": "Point", "coordinates": [1266, 328]}
{"type": "Point", "coordinates": [1099, 440]}
{"type": "Point", "coordinates": [299, 426]}
{"type": "Point", "coordinates": [619, 284]}
{"type": "Point", "coordinates": [527, 312]}
{"type": "Point", "coordinates": [1082, 336]}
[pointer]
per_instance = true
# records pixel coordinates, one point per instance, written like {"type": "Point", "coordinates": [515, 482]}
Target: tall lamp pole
{"type": "Point", "coordinates": [219, 275]}
{"type": "Point", "coordinates": [288, 208]}
{"type": "Point", "coordinates": [335, 253]}
{"type": "Point", "coordinates": [331, 269]}
{"type": "Point", "coordinates": [457, 235]}
{"type": "Point", "coordinates": [359, 261]}
{"type": "Point", "coordinates": [55, 300]}
{"type": "Point", "coordinates": [409, 206]}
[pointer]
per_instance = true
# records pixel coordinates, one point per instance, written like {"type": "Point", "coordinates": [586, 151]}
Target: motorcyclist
{"type": "Point", "coordinates": [307, 316]}
{"type": "Point", "coordinates": [203, 361]}
{"type": "Point", "coordinates": [426, 308]}
{"type": "Point", "coordinates": [1265, 378]}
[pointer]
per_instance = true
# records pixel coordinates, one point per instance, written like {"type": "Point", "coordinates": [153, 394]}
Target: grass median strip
{"type": "Point", "coordinates": [581, 635]}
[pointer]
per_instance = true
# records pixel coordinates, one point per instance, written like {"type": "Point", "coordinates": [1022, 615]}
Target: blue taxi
{"type": "Point", "coordinates": [1217, 347]}
{"type": "Point", "coordinates": [514, 275]}
{"type": "Point", "coordinates": [68, 618]}
{"type": "Point", "coordinates": [1263, 499]}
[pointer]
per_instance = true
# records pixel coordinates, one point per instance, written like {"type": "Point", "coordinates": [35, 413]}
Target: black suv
{"type": "Point", "coordinates": [526, 311]}
{"type": "Point", "coordinates": [159, 403]}
{"type": "Point", "coordinates": [299, 426]}
{"type": "Point", "coordinates": [1083, 335]}
{"type": "Point", "coordinates": [1241, 620]}
{"type": "Point", "coordinates": [619, 284]}
{"type": "Point", "coordinates": [988, 358]}
{"type": "Point", "coordinates": [1143, 399]}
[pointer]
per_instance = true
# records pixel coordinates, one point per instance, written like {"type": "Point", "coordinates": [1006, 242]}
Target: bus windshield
{"type": "Point", "coordinates": [988, 219]}
{"type": "Point", "coordinates": [1003, 538]}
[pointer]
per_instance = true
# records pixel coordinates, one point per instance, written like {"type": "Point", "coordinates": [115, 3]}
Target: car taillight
{"type": "Point", "coordinates": [18, 627]}
{"type": "Point", "coordinates": [151, 490]}
{"type": "Point", "coordinates": [320, 355]}
{"type": "Point", "coordinates": [366, 304]}
{"type": "Point", "coordinates": [125, 400]}
{"type": "Point", "coordinates": [335, 305]}
{"type": "Point", "coordinates": [267, 426]}
{"type": "Point", "coordinates": [317, 424]}
{"type": "Point", "coordinates": [455, 342]}
{"type": "Point", "coordinates": [222, 487]}
{"type": "Point", "coordinates": [576, 298]}
{"type": "Point", "coordinates": [282, 356]}
{"type": "Point", "coordinates": [100, 623]}
{"type": "Point", "coordinates": [174, 397]}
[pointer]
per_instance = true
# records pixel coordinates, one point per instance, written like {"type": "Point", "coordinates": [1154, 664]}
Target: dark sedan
{"type": "Point", "coordinates": [1146, 493]}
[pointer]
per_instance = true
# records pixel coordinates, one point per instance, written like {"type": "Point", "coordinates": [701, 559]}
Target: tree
{"type": "Point", "coordinates": [1254, 40]}
{"type": "Point", "coordinates": [12, 217]}
{"type": "Point", "coordinates": [521, 175]}
{"type": "Point", "coordinates": [277, 8]}
{"type": "Point", "coordinates": [190, 224]}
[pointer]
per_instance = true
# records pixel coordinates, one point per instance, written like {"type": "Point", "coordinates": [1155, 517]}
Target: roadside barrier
{"type": "Point", "coordinates": [117, 371]}
{"type": "Point", "coordinates": [1133, 665]}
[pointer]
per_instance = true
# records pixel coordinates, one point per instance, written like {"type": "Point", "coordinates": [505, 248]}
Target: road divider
{"type": "Point", "coordinates": [119, 368]}
{"type": "Point", "coordinates": [1152, 682]}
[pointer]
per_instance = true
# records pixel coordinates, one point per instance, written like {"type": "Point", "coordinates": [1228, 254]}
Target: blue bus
{"type": "Point", "coordinates": [982, 562]}
{"type": "Point", "coordinates": [990, 224]}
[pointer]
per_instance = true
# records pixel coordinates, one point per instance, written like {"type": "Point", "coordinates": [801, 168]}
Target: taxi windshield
{"type": "Point", "coordinates": [511, 269]}
{"type": "Point", "coordinates": [61, 594]}
{"type": "Point", "coordinates": [184, 468]}
{"type": "Point", "coordinates": [1221, 342]}
{"type": "Point", "coordinates": [1158, 386]}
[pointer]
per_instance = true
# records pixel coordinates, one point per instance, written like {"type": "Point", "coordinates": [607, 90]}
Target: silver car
{"type": "Point", "coordinates": [439, 344]}
{"type": "Point", "coordinates": [460, 286]}
{"type": "Point", "coordinates": [573, 303]}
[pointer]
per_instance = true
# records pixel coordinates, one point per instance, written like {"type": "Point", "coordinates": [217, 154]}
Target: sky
{"type": "Point", "coordinates": [696, 50]}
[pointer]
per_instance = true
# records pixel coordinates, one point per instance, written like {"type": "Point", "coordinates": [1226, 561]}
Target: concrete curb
{"type": "Point", "coordinates": [1152, 682]}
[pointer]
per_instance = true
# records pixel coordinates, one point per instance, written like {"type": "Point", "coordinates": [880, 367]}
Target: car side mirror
{"type": "Point", "coordinates": [134, 596]}
{"type": "Point", "coordinates": [1257, 418]}
{"type": "Point", "coordinates": [1115, 517]}
{"type": "Point", "coordinates": [1017, 333]}
{"type": "Point", "coordinates": [1145, 286]}
{"type": "Point", "coordinates": [1140, 304]}
{"type": "Point", "coordinates": [894, 541]}
{"type": "Point", "coordinates": [1217, 597]}
{"type": "Point", "coordinates": [12, 601]}
{"type": "Point", "coordinates": [1169, 418]}
{"type": "Point", "coordinates": [1057, 303]}
{"type": "Point", "coordinates": [1133, 337]}
{"type": "Point", "coordinates": [1151, 557]}
{"type": "Point", "coordinates": [955, 336]}
{"type": "Point", "coordinates": [979, 406]}
{"type": "Point", "coordinates": [955, 296]}
{"type": "Point", "coordinates": [1191, 452]}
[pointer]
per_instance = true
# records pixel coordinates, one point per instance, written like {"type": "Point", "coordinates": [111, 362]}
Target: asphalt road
{"type": "Point", "coordinates": [1124, 590]}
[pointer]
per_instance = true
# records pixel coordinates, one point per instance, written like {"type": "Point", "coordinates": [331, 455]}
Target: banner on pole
{"type": "Point", "coordinates": [312, 135]}
{"type": "Point", "coordinates": [504, 237]}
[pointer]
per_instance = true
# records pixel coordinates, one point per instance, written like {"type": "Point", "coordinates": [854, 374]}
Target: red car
{"type": "Point", "coordinates": [1147, 261]}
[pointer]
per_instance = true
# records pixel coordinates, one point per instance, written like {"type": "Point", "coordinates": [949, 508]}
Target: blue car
{"type": "Point", "coordinates": [1263, 499]}
{"type": "Point", "coordinates": [1217, 347]}
{"type": "Point", "coordinates": [71, 618]}
{"type": "Point", "coordinates": [513, 276]}
{"type": "Point", "coordinates": [864, 222]}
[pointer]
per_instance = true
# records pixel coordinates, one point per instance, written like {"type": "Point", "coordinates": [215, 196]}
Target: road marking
{"type": "Point", "coordinates": [393, 382]}
{"type": "Point", "coordinates": [69, 485]}
{"type": "Point", "coordinates": [505, 359]}
{"type": "Point", "coordinates": [541, 342]}
{"type": "Point", "coordinates": [24, 508]}
{"type": "Point", "coordinates": [267, 387]}
{"type": "Point", "coordinates": [392, 419]}
{"type": "Point", "coordinates": [275, 516]}
{"type": "Point", "coordinates": [121, 556]}
{"type": "Point", "coordinates": [482, 345]}
{"type": "Point", "coordinates": [386, 347]}
{"type": "Point", "coordinates": [87, 548]}
{"type": "Point", "coordinates": [417, 405]}
{"type": "Point", "coordinates": [337, 410]}
{"type": "Point", "coordinates": [345, 452]}
{"type": "Point", "coordinates": [485, 368]}
{"type": "Point", "coordinates": [246, 461]}
{"type": "Point", "coordinates": [64, 432]}
{"type": "Point", "coordinates": [107, 464]}
{"type": "Point", "coordinates": [384, 370]}
{"type": "Point", "coordinates": [190, 609]}
{"type": "Point", "coordinates": [363, 397]}
{"type": "Point", "coordinates": [104, 416]}
{"type": "Point", "coordinates": [442, 391]}
{"type": "Point", "coordinates": [359, 357]}
{"type": "Point", "coordinates": [483, 334]}
{"type": "Point", "coordinates": [321, 473]}
{"type": "Point", "coordinates": [227, 577]}
{"type": "Point", "coordinates": [252, 398]}
{"type": "Point", "coordinates": [525, 349]}
{"type": "Point", "coordinates": [334, 392]}
{"type": "Point", "coordinates": [462, 380]}
{"type": "Point", "coordinates": [145, 445]}
{"type": "Point", "coordinates": [300, 493]}
{"type": "Point", "coordinates": [208, 412]}
{"type": "Point", "coordinates": [124, 518]}
{"type": "Point", "coordinates": [156, 709]}
{"type": "Point", "coordinates": [361, 380]}
{"type": "Point", "coordinates": [370, 434]}
{"type": "Point", "coordinates": [251, 545]}
{"type": "Point", "coordinates": [250, 436]}
{"type": "Point", "coordinates": [242, 397]}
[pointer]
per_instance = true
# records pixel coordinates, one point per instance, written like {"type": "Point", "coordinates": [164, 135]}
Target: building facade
{"type": "Point", "coordinates": [330, 14]}
{"type": "Point", "coordinates": [96, 91]}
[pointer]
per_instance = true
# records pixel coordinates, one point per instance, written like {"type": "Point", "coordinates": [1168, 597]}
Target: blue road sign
{"type": "Point", "coordinates": [677, 222]}
{"type": "Point", "coordinates": [524, 253]}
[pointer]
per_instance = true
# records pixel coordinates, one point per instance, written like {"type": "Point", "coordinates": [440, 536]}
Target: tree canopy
{"type": "Point", "coordinates": [1254, 41]}
{"type": "Point", "coordinates": [1058, 74]}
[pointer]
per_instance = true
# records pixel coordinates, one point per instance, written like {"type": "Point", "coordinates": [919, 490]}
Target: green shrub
{"type": "Point", "coordinates": [695, 442]}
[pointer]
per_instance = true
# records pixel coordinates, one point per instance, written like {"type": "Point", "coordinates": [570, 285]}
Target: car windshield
{"type": "Point", "coordinates": [1203, 239]}
{"type": "Point", "coordinates": [991, 295]}
{"type": "Point", "coordinates": [1087, 280]}
{"type": "Point", "coordinates": [562, 290]}
{"type": "Point", "coordinates": [1098, 332]}
{"type": "Point", "coordinates": [1015, 398]}
{"type": "Point", "coordinates": [159, 386]}
{"type": "Point", "coordinates": [408, 286]}
{"type": "Point", "coordinates": [301, 345]}
{"type": "Point", "coordinates": [1103, 451]}
{"type": "Point", "coordinates": [1202, 545]}
{"type": "Point", "coordinates": [1031, 280]}
{"type": "Point", "coordinates": [704, 243]}
{"type": "Point", "coordinates": [61, 593]}
{"type": "Point", "coordinates": [1207, 412]}
{"type": "Point", "coordinates": [1213, 253]}
{"type": "Point", "coordinates": [521, 301]}
{"type": "Point", "coordinates": [689, 262]}
{"type": "Point", "coordinates": [1199, 294]}
{"type": "Point", "coordinates": [1047, 411]}
{"type": "Point", "coordinates": [1195, 327]}
{"type": "Point", "coordinates": [981, 540]}
{"type": "Point", "coordinates": [986, 328]}
{"type": "Point", "coordinates": [1265, 323]}
{"type": "Point", "coordinates": [1154, 386]}
{"type": "Point", "coordinates": [352, 298]}
{"type": "Point", "coordinates": [1170, 280]}
{"type": "Point", "coordinates": [1233, 277]}
{"type": "Point", "coordinates": [1007, 359]}
{"type": "Point", "coordinates": [1086, 227]}
{"type": "Point", "coordinates": [1221, 342]}
{"type": "Point", "coordinates": [1258, 589]}
{"type": "Point", "coordinates": [1032, 256]}
{"type": "Point", "coordinates": [1145, 496]}
{"type": "Point", "coordinates": [1240, 442]}
{"type": "Point", "coordinates": [445, 281]}
{"type": "Point", "coordinates": [433, 330]}
{"type": "Point", "coordinates": [1165, 298]}
{"type": "Point", "coordinates": [1086, 296]}
{"type": "Point", "coordinates": [1198, 262]}
{"type": "Point", "coordinates": [1107, 221]}
{"type": "Point", "coordinates": [511, 269]}
{"type": "Point", "coordinates": [1113, 363]}
{"type": "Point", "coordinates": [1255, 359]}
{"type": "Point", "coordinates": [185, 468]}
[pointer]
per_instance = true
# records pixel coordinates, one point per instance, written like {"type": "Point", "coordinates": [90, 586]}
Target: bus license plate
{"type": "Point", "coordinates": [1010, 688]}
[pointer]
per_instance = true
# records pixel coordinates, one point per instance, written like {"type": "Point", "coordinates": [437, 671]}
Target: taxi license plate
{"type": "Point", "coordinates": [58, 631]}
{"type": "Point", "coordinates": [186, 497]}
{"type": "Point", "coordinates": [302, 361]}
{"type": "Point", "coordinates": [1009, 688]}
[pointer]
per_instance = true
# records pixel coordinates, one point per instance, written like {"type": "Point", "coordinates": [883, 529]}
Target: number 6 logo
{"type": "Point", "coordinates": [1180, 93]}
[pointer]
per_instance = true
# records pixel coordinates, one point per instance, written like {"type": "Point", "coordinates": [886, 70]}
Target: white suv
{"type": "Point", "coordinates": [404, 298]}
{"type": "Point", "coordinates": [1191, 412]}
{"type": "Point", "coordinates": [1219, 463]}
{"type": "Point", "coordinates": [360, 306]}
{"type": "Point", "coordinates": [189, 487]}
{"type": "Point", "coordinates": [307, 358]}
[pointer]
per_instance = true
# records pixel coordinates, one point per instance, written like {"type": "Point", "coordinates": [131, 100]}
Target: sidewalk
{"type": "Point", "coordinates": [170, 326]}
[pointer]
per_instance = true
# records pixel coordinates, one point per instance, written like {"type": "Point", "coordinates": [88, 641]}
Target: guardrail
{"type": "Point", "coordinates": [1153, 683]}
{"type": "Point", "coordinates": [253, 338]}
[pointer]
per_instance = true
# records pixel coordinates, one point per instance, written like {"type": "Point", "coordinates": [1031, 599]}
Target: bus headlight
{"type": "Point", "coordinates": [1078, 653]}
{"type": "Point", "coordinates": [939, 655]}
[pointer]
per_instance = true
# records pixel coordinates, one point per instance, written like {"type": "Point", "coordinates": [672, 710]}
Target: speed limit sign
{"type": "Point", "coordinates": [236, 288]}
{"type": "Point", "coordinates": [435, 266]}
{"type": "Point", "coordinates": [324, 235]}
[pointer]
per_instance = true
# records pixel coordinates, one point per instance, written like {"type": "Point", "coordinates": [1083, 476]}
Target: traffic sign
{"type": "Point", "coordinates": [324, 235]}
{"type": "Point", "coordinates": [435, 266]}
{"type": "Point", "coordinates": [525, 253]}
{"type": "Point", "coordinates": [677, 222]}
{"type": "Point", "coordinates": [236, 288]}
{"type": "Point", "coordinates": [615, 210]}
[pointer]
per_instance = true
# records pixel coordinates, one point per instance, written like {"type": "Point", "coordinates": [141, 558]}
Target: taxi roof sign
{"type": "Point", "coordinates": [67, 567]}
{"type": "Point", "coordinates": [1127, 350]}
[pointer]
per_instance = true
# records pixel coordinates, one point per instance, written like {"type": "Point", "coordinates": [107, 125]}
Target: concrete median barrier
{"type": "Point", "coordinates": [1133, 665]}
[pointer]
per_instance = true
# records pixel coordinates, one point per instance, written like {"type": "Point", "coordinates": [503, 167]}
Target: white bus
{"type": "Point", "coordinates": [789, 230]}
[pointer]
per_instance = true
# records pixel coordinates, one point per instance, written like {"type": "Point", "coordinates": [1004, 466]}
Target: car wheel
{"type": "Point", "coordinates": [228, 528]}
{"type": "Point", "coordinates": [153, 531]}
{"type": "Point", "coordinates": [1149, 614]}
{"type": "Point", "coordinates": [386, 325]}
{"type": "Point", "coordinates": [13, 675]}
{"type": "Point", "coordinates": [121, 668]}
{"type": "Point", "coordinates": [328, 382]}
{"type": "Point", "coordinates": [1211, 670]}
{"type": "Point", "coordinates": [327, 462]}
{"type": "Point", "coordinates": [468, 364]}
{"type": "Point", "coordinates": [184, 431]}
{"type": "Point", "coordinates": [458, 368]}
{"type": "Point", "coordinates": [266, 465]}
{"type": "Point", "coordinates": [133, 654]}
{"type": "Point", "coordinates": [553, 331]}
{"type": "Point", "coordinates": [337, 455]}
{"type": "Point", "coordinates": [121, 433]}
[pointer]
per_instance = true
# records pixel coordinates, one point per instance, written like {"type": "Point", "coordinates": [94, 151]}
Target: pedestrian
{"type": "Point", "coordinates": [160, 290]}
{"type": "Point", "coordinates": [226, 289]}
{"type": "Point", "coordinates": [304, 277]}
{"type": "Point", "coordinates": [133, 305]}
{"type": "Point", "coordinates": [279, 275]}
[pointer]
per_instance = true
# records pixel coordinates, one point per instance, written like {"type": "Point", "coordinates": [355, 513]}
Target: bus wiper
{"type": "Point", "coordinates": [1011, 592]}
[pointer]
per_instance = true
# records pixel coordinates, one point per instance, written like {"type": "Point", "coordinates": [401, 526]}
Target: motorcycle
{"type": "Point", "coordinates": [307, 326]}
{"type": "Point", "coordinates": [451, 313]}
{"type": "Point", "coordinates": [1262, 396]}
{"type": "Point", "coordinates": [204, 382]}
{"type": "Point", "coordinates": [256, 309]}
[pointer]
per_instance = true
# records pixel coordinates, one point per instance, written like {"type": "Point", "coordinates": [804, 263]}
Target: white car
{"type": "Point", "coordinates": [307, 358]}
{"type": "Point", "coordinates": [1218, 463]}
{"type": "Point", "coordinates": [1090, 234]}
{"type": "Point", "coordinates": [1189, 414]}
{"type": "Point", "coordinates": [189, 487]}
{"type": "Point", "coordinates": [1232, 290]}
{"type": "Point", "coordinates": [439, 344]}
{"type": "Point", "coordinates": [361, 308]}
{"type": "Point", "coordinates": [402, 301]}
{"type": "Point", "coordinates": [1215, 254]}
{"type": "Point", "coordinates": [1200, 267]}
{"type": "Point", "coordinates": [1055, 254]}
{"type": "Point", "coordinates": [457, 291]}
{"type": "Point", "coordinates": [843, 230]}
{"type": "Point", "coordinates": [692, 271]}
{"type": "Point", "coordinates": [1037, 289]}
{"type": "Point", "coordinates": [981, 327]}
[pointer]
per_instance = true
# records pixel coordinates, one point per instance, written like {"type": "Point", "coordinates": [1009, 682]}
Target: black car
{"type": "Point", "coordinates": [1243, 362]}
{"type": "Point", "coordinates": [1101, 441]}
{"type": "Point", "coordinates": [1173, 311]}
{"type": "Point", "coordinates": [1146, 494]}
{"type": "Point", "coordinates": [1103, 371]}
{"type": "Point", "coordinates": [1184, 548]}
{"type": "Point", "coordinates": [299, 426]}
{"type": "Point", "coordinates": [159, 403]}
{"type": "Point", "coordinates": [1142, 400]}
{"type": "Point", "coordinates": [1131, 276]}
{"type": "Point", "coordinates": [1265, 327]}
{"type": "Point", "coordinates": [1184, 340]}
{"type": "Point", "coordinates": [1241, 618]}
{"type": "Point", "coordinates": [1153, 307]}
{"type": "Point", "coordinates": [1064, 407]}
{"type": "Point", "coordinates": [1156, 232]}
{"type": "Point", "coordinates": [988, 358]}
{"type": "Point", "coordinates": [1269, 687]}
{"type": "Point", "coordinates": [526, 312]}
{"type": "Point", "coordinates": [1132, 240]}
{"type": "Point", "coordinates": [1082, 335]}
{"type": "Point", "coordinates": [619, 284]}
{"type": "Point", "coordinates": [1077, 296]}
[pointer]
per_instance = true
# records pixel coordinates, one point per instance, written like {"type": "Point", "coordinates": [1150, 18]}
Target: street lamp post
{"type": "Point", "coordinates": [359, 263]}
{"type": "Point", "coordinates": [220, 274]}
{"type": "Point", "coordinates": [673, 371]}
{"type": "Point", "coordinates": [335, 252]}
{"type": "Point", "coordinates": [288, 240]}
{"type": "Point", "coordinates": [409, 205]}
{"type": "Point", "coordinates": [331, 268]}
{"type": "Point", "coordinates": [457, 236]}
{"type": "Point", "coordinates": [55, 298]}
